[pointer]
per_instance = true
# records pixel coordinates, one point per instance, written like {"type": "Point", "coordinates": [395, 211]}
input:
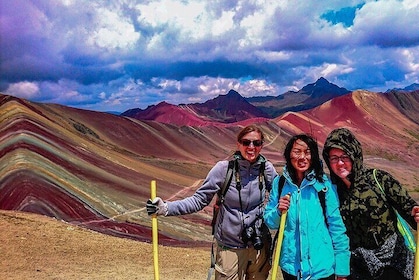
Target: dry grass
{"type": "Point", "coordinates": [39, 247]}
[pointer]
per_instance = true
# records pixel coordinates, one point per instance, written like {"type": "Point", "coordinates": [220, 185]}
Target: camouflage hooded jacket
{"type": "Point", "coordinates": [366, 212]}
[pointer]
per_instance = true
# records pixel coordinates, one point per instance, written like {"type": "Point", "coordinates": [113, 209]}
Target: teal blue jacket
{"type": "Point", "coordinates": [310, 247]}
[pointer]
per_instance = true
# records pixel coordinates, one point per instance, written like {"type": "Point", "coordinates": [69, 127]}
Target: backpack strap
{"type": "Point", "coordinates": [222, 192]}
{"type": "Point", "coordinates": [382, 192]}
{"type": "Point", "coordinates": [262, 176]}
{"type": "Point", "coordinates": [374, 172]}
{"type": "Point", "coordinates": [281, 183]}
{"type": "Point", "coordinates": [322, 198]}
{"type": "Point", "coordinates": [227, 182]}
{"type": "Point", "coordinates": [212, 265]}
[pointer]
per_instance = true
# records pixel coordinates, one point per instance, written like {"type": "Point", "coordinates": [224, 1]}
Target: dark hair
{"type": "Point", "coordinates": [316, 163]}
{"type": "Point", "coordinates": [248, 129]}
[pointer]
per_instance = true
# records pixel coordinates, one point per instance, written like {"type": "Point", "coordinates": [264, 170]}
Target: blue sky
{"type": "Point", "coordinates": [122, 54]}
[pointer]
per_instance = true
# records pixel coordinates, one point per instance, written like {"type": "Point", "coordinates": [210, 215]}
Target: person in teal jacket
{"type": "Point", "coordinates": [315, 244]}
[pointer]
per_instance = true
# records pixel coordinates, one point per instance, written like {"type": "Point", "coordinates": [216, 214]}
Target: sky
{"type": "Point", "coordinates": [121, 54]}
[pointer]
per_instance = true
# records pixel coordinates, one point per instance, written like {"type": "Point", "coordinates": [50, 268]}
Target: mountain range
{"type": "Point", "coordinates": [233, 107]}
{"type": "Point", "coordinates": [94, 169]}
{"type": "Point", "coordinates": [229, 108]}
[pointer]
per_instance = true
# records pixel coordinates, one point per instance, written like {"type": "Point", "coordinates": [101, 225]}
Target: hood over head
{"type": "Point", "coordinates": [344, 139]}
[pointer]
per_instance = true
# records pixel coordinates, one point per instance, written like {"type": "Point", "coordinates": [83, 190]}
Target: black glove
{"type": "Point", "coordinates": [156, 206]}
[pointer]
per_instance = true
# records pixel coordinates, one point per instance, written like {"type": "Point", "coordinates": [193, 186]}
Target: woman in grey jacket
{"type": "Point", "coordinates": [315, 245]}
{"type": "Point", "coordinates": [242, 239]}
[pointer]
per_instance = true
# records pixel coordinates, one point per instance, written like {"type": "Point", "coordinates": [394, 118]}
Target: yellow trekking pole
{"type": "Point", "coordinates": [416, 273]}
{"type": "Point", "coordinates": [155, 234]}
{"type": "Point", "coordinates": [275, 263]}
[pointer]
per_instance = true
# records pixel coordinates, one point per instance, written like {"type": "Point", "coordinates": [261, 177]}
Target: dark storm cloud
{"type": "Point", "coordinates": [110, 55]}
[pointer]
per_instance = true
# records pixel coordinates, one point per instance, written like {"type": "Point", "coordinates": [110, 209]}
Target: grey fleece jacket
{"type": "Point", "coordinates": [233, 214]}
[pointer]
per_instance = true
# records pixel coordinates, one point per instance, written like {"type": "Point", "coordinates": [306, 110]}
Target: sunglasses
{"type": "Point", "coordinates": [246, 142]}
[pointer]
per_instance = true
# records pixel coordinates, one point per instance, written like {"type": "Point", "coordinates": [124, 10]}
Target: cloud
{"type": "Point", "coordinates": [25, 90]}
{"type": "Point", "coordinates": [115, 55]}
{"type": "Point", "coordinates": [388, 24]}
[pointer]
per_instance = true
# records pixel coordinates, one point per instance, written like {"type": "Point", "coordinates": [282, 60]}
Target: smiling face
{"type": "Point", "coordinates": [340, 163]}
{"type": "Point", "coordinates": [300, 157]}
{"type": "Point", "coordinates": [250, 146]}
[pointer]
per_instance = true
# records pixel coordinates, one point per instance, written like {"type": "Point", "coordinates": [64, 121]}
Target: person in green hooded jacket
{"type": "Point", "coordinates": [377, 248]}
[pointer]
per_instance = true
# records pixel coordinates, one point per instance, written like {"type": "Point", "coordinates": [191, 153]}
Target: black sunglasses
{"type": "Point", "coordinates": [246, 142]}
